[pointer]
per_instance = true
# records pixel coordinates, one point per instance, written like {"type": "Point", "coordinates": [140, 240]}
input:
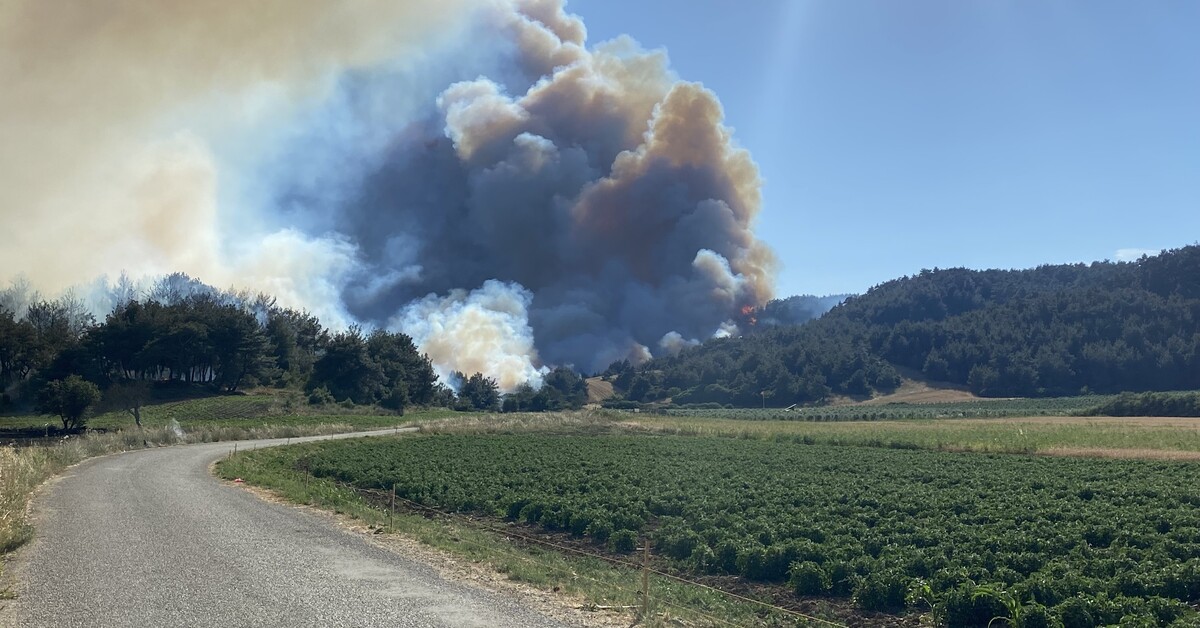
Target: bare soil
{"type": "Point", "coordinates": [916, 389]}
{"type": "Point", "coordinates": [1125, 454]}
{"type": "Point", "coordinates": [1133, 421]}
{"type": "Point", "coordinates": [598, 390]}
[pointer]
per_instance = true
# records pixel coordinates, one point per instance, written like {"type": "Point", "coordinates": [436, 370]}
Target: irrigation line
{"type": "Point", "coordinates": [569, 549]}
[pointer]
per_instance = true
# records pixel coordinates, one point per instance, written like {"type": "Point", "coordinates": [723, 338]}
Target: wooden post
{"type": "Point", "coordinates": [392, 512]}
{"type": "Point", "coordinates": [645, 579]}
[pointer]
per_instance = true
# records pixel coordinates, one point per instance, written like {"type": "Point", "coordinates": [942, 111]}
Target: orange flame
{"type": "Point", "coordinates": [748, 314]}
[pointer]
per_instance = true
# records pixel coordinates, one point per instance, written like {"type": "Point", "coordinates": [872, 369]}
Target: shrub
{"type": "Point", "coordinates": [842, 577]}
{"type": "Point", "coordinates": [808, 578]}
{"type": "Point", "coordinates": [970, 605]}
{"type": "Point", "coordinates": [1037, 616]}
{"type": "Point", "coordinates": [623, 541]}
{"type": "Point", "coordinates": [600, 530]}
{"type": "Point", "coordinates": [320, 396]}
{"type": "Point", "coordinates": [881, 591]}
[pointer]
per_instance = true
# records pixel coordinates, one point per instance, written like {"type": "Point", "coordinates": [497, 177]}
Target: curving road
{"type": "Point", "coordinates": [149, 538]}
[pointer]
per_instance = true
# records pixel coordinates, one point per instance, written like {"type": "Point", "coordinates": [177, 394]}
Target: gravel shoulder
{"type": "Point", "coordinates": [149, 538]}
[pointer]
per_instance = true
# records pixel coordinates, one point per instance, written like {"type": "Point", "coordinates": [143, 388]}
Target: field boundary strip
{"type": "Point", "coordinates": [479, 522]}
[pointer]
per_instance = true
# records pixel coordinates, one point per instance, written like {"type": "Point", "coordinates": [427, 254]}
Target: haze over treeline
{"type": "Point", "coordinates": [1048, 331]}
{"type": "Point", "coordinates": [186, 334]}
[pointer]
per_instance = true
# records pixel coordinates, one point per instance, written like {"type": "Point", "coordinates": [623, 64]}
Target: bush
{"type": "Point", "coordinates": [881, 591]}
{"type": "Point", "coordinates": [1085, 611]}
{"type": "Point", "coordinates": [623, 541]}
{"type": "Point", "coordinates": [807, 578]}
{"type": "Point", "coordinates": [970, 605]}
{"type": "Point", "coordinates": [320, 396]}
{"type": "Point", "coordinates": [678, 543]}
{"type": "Point", "coordinates": [1150, 404]}
{"type": "Point", "coordinates": [1037, 616]}
{"type": "Point", "coordinates": [842, 577]}
{"type": "Point", "coordinates": [600, 530]}
{"type": "Point", "coordinates": [70, 399]}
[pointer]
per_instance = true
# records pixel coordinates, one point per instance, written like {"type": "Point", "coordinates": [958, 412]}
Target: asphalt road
{"type": "Point", "coordinates": [150, 539]}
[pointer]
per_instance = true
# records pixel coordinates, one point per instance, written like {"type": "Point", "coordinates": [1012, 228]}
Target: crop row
{"type": "Point", "coordinates": [1033, 538]}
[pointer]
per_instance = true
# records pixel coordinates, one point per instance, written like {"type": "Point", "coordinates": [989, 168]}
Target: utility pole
{"type": "Point", "coordinates": [645, 579]}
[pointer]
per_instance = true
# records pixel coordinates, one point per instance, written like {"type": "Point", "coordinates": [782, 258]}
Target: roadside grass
{"type": "Point", "coordinates": [599, 584]}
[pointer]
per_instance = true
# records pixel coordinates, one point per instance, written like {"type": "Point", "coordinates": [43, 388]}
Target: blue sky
{"type": "Point", "coordinates": [895, 136]}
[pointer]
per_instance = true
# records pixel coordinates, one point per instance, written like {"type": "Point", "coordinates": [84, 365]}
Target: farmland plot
{"type": "Point", "coordinates": [974, 536]}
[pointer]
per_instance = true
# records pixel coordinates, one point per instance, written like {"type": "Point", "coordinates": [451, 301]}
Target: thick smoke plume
{"type": "Point", "coordinates": [110, 111]}
{"type": "Point", "coordinates": [490, 184]}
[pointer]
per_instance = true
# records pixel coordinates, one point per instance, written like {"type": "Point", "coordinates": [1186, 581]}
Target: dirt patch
{"type": "Point", "coordinates": [930, 395]}
{"type": "Point", "coordinates": [1122, 454]}
{"type": "Point", "coordinates": [916, 389]}
{"type": "Point", "coordinates": [598, 389]}
{"type": "Point", "coordinates": [1136, 421]}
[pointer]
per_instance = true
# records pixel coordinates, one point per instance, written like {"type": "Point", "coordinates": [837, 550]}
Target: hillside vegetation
{"type": "Point", "coordinates": [1049, 331]}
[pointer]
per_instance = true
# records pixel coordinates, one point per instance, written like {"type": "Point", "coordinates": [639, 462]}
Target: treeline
{"type": "Point", "coordinates": [1049, 331]}
{"type": "Point", "coordinates": [1150, 404]}
{"type": "Point", "coordinates": [55, 357]}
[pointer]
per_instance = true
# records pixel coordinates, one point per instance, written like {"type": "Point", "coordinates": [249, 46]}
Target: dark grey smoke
{"type": "Point", "coordinates": [797, 309]}
{"type": "Point", "coordinates": [605, 196]}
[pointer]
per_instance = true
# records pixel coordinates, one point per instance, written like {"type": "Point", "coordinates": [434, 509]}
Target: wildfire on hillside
{"type": "Point", "coordinates": [749, 315]}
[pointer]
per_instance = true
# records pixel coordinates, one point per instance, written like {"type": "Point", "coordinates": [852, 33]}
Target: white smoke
{"type": "Point", "coordinates": [482, 331]}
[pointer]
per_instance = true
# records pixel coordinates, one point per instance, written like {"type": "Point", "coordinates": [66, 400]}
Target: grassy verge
{"type": "Point", "coordinates": [599, 583]}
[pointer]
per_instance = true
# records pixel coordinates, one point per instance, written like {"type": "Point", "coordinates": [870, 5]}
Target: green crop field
{"type": "Point", "coordinates": [983, 408]}
{"type": "Point", "coordinates": [974, 536]}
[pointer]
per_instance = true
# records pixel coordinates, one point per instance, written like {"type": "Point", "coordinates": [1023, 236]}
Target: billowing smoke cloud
{"type": "Point", "coordinates": [109, 109]}
{"type": "Point", "coordinates": [483, 331]}
{"type": "Point", "coordinates": [489, 184]}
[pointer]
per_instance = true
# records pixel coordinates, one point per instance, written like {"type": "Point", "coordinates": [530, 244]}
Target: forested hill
{"type": "Point", "coordinates": [1051, 330]}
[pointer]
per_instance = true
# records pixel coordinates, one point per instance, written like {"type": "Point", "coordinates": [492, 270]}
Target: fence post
{"type": "Point", "coordinates": [392, 512]}
{"type": "Point", "coordinates": [645, 579]}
